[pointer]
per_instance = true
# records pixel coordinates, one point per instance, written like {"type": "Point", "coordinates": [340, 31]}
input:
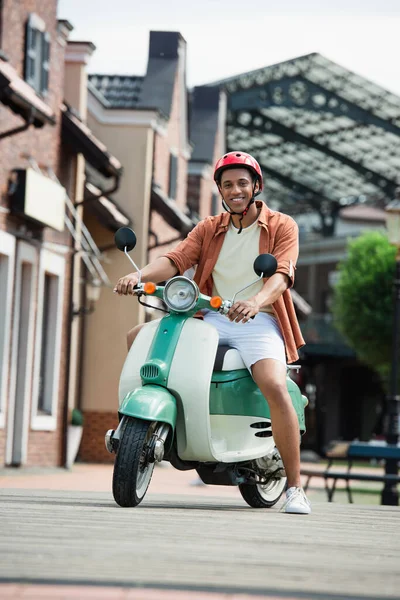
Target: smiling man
{"type": "Point", "coordinates": [224, 248]}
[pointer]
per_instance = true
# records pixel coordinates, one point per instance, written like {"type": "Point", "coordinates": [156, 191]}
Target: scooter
{"type": "Point", "coordinates": [186, 400]}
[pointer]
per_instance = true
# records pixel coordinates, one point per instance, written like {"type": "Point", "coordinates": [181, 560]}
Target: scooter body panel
{"type": "Point", "coordinates": [130, 378]}
{"type": "Point", "coordinates": [235, 393]}
{"type": "Point", "coordinates": [150, 403]}
{"type": "Point", "coordinates": [218, 417]}
{"type": "Point", "coordinates": [235, 438]}
{"type": "Point", "coordinates": [240, 416]}
{"type": "Point", "coordinates": [189, 380]}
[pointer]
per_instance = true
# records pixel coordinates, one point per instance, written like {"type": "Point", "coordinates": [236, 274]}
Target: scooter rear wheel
{"type": "Point", "coordinates": [132, 468]}
{"type": "Point", "coordinates": [263, 496]}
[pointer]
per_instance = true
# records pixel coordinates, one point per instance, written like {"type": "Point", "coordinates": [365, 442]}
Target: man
{"type": "Point", "coordinates": [224, 248]}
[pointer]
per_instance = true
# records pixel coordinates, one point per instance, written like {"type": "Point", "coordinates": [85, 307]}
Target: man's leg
{"type": "Point", "coordinates": [131, 336]}
{"type": "Point", "coordinates": [270, 376]}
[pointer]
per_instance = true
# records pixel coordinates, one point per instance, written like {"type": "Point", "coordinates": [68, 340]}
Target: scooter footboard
{"type": "Point", "coordinates": [150, 403]}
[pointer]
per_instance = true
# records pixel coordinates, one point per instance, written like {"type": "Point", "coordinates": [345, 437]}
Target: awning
{"type": "Point", "coordinates": [170, 212]}
{"type": "Point", "coordinates": [82, 139]}
{"type": "Point", "coordinates": [107, 211]}
{"type": "Point", "coordinates": [322, 338]}
{"type": "Point", "coordinates": [21, 98]}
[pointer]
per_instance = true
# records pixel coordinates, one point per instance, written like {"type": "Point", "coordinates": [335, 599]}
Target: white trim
{"type": "Point", "coordinates": [56, 248]}
{"type": "Point", "coordinates": [36, 22]}
{"type": "Point", "coordinates": [222, 112]}
{"type": "Point", "coordinates": [55, 265]}
{"type": "Point", "coordinates": [25, 254]}
{"type": "Point", "coordinates": [183, 121]}
{"type": "Point", "coordinates": [79, 52]}
{"type": "Point", "coordinates": [118, 116]}
{"type": "Point", "coordinates": [187, 152]}
{"type": "Point", "coordinates": [7, 248]}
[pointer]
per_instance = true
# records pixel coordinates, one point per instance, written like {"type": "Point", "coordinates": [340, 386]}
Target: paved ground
{"type": "Point", "coordinates": [61, 529]}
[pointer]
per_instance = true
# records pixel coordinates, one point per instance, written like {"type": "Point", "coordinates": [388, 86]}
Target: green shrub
{"type": "Point", "coordinates": [76, 417]}
{"type": "Point", "coordinates": [363, 304]}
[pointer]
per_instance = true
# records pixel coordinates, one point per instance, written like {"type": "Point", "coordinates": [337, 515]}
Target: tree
{"type": "Point", "coordinates": [363, 300]}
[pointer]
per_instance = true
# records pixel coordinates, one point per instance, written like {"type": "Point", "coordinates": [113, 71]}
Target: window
{"type": "Point", "coordinates": [173, 176]}
{"type": "Point", "coordinates": [49, 323]}
{"type": "Point", "coordinates": [7, 257]}
{"type": "Point", "coordinates": [37, 55]}
{"type": "Point", "coordinates": [46, 373]}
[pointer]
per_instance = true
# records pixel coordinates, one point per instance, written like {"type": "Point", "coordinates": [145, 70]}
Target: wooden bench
{"type": "Point", "coordinates": [348, 452]}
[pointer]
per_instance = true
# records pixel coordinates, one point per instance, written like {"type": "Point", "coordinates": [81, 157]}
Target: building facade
{"type": "Point", "coordinates": [44, 246]}
{"type": "Point", "coordinates": [34, 244]}
{"type": "Point", "coordinates": [147, 123]}
{"type": "Point", "coordinates": [346, 397]}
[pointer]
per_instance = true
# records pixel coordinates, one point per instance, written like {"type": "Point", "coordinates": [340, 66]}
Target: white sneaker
{"type": "Point", "coordinates": [296, 502]}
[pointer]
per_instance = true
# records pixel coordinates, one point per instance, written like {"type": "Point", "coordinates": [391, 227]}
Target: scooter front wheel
{"type": "Point", "coordinates": [132, 468]}
{"type": "Point", "coordinates": [263, 496]}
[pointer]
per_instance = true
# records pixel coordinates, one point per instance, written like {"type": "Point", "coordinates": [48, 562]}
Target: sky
{"type": "Point", "coordinates": [229, 37]}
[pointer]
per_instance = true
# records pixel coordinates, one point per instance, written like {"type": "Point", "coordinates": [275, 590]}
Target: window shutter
{"type": "Point", "coordinates": [30, 52]}
{"type": "Point", "coordinates": [214, 204]}
{"type": "Point", "coordinates": [173, 175]}
{"type": "Point", "coordinates": [45, 66]}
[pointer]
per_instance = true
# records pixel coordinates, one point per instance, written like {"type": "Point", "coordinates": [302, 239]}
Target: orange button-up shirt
{"type": "Point", "coordinates": [279, 236]}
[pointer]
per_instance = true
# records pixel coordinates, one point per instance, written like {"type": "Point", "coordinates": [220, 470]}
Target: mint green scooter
{"type": "Point", "coordinates": [185, 400]}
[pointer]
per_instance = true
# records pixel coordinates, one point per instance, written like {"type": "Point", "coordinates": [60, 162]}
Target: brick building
{"type": "Point", "coordinates": [43, 151]}
{"type": "Point", "coordinates": [33, 242]}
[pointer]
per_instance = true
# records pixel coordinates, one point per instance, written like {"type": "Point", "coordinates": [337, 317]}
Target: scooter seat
{"type": "Point", "coordinates": [228, 359]}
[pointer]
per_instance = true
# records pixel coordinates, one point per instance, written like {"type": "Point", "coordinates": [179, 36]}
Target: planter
{"type": "Point", "coordinates": [74, 437]}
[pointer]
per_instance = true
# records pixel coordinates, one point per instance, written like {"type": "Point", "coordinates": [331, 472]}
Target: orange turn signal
{"type": "Point", "coordinates": [216, 302]}
{"type": "Point", "coordinates": [149, 287]}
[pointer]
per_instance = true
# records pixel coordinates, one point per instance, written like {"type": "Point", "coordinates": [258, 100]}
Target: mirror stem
{"type": "Point", "coordinates": [136, 267]}
{"type": "Point", "coordinates": [247, 286]}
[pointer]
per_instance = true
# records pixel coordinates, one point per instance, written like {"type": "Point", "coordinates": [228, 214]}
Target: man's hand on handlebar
{"type": "Point", "coordinates": [125, 285]}
{"type": "Point", "coordinates": [243, 310]}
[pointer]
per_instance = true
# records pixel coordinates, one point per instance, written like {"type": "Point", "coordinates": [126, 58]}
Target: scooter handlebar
{"type": "Point", "coordinates": [226, 306]}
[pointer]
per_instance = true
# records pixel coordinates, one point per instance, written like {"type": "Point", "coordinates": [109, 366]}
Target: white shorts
{"type": "Point", "coordinates": [257, 339]}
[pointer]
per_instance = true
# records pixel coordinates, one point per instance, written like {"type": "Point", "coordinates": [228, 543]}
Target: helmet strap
{"type": "Point", "coordinates": [243, 213]}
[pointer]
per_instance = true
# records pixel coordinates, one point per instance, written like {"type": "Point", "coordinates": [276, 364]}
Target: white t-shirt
{"type": "Point", "coordinates": [234, 267]}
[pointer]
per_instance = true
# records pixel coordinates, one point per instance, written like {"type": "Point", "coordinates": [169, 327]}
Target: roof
{"type": "Point", "coordinates": [361, 212]}
{"type": "Point", "coordinates": [105, 209]}
{"type": "Point", "coordinates": [319, 131]}
{"type": "Point", "coordinates": [83, 140]}
{"type": "Point", "coordinates": [155, 89]}
{"type": "Point", "coordinates": [117, 91]}
{"type": "Point", "coordinates": [170, 211]}
{"type": "Point", "coordinates": [21, 97]}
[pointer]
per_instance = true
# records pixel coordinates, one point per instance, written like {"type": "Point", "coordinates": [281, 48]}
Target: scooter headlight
{"type": "Point", "coordinates": [180, 294]}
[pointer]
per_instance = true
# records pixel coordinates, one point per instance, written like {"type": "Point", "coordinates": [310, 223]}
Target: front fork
{"type": "Point", "coordinates": [156, 444]}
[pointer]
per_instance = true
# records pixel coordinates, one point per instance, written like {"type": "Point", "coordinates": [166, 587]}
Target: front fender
{"type": "Point", "coordinates": [150, 403]}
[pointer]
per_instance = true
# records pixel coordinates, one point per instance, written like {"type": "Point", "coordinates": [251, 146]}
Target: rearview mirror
{"type": "Point", "coordinates": [125, 238]}
{"type": "Point", "coordinates": [265, 265]}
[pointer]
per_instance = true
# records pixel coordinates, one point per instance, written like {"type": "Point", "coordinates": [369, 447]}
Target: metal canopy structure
{"type": "Point", "coordinates": [324, 136]}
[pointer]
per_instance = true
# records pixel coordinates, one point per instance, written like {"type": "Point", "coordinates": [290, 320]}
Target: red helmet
{"type": "Point", "coordinates": [238, 159]}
